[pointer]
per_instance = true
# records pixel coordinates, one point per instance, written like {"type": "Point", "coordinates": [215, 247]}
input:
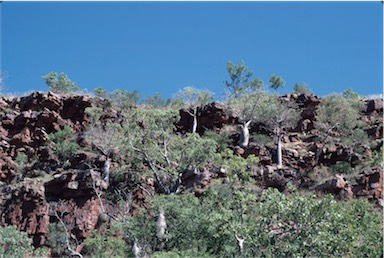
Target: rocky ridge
{"type": "Point", "coordinates": [25, 194]}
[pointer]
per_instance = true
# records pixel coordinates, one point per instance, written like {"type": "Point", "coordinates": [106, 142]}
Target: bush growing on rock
{"type": "Point", "coordinates": [272, 225]}
{"type": "Point", "coordinates": [17, 244]}
{"type": "Point", "coordinates": [60, 83]}
{"type": "Point", "coordinates": [63, 143]}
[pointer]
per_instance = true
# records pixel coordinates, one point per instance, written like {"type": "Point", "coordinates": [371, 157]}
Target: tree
{"type": "Point", "coordinates": [123, 99]}
{"type": "Point", "coordinates": [338, 116]}
{"type": "Point", "coordinates": [194, 98]}
{"type": "Point", "coordinates": [276, 115]}
{"type": "Point", "coordinates": [14, 243]}
{"type": "Point", "coordinates": [149, 139]}
{"type": "Point", "coordinates": [301, 89]}
{"type": "Point", "coordinates": [276, 82]}
{"type": "Point", "coordinates": [157, 101]}
{"type": "Point", "coordinates": [60, 83]}
{"type": "Point", "coordinates": [241, 82]}
{"type": "Point", "coordinates": [228, 222]}
{"type": "Point", "coordinates": [101, 92]}
{"type": "Point", "coordinates": [350, 94]}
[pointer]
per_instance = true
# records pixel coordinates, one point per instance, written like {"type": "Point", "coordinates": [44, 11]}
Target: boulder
{"type": "Point", "coordinates": [8, 169]}
{"type": "Point", "coordinates": [372, 105]}
{"type": "Point", "coordinates": [26, 208]}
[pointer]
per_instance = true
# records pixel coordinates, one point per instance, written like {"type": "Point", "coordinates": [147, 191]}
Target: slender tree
{"type": "Point", "coordinates": [276, 115]}
{"type": "Point", "coordinates": [301, 89]}
{"type": "Point", "coordinates": [60, 83]}
{"type": "Point", "coordinates": [193, 99]}
{"type": "Point", "coordinates": [276, 82]}
{"type": "Point", "coordinates": [240, 80]}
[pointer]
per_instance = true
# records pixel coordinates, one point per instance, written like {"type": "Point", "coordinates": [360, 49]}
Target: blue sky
{"type": "Point", "coordinates": [161, 47]}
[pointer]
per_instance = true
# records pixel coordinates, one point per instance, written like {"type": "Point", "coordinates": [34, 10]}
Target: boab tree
{"type": "Point", "coordinates": [192, 99]}
{"type": "Point", "coordinates": [276, 115]}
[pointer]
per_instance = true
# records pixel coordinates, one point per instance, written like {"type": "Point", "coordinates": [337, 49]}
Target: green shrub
{"type": "Point", "coordinates": [273, 225]}
{"type": "Point", "coordinates": [222, 139]}
{"type": "Point", "coordinates": [105, 244]}
{"type": "Point", "coordinates": [263, 139]}
{"type": "Point", "coordinates": [235, 165]}
{"type": "Point", "coordinates": [57, 239]}
{"type": "Point", "coordinates": [21, 160]}
{"type": "Point", "coordinates": [14, 243]}
{"type": "Point", "coordinates": [60, 83]}
{"type": "Point", "coordinates": [64, 144]}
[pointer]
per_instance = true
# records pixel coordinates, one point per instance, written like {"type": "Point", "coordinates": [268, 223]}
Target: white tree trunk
{"type": "Point", "coordinates": [279, 152]}
{"type": "Point", "coordinates": [107, 165]}
{"type": "Point", "coordinates": [240, 243]}
{"type": "Point", "coordinates": [244, 135]}
{"type": "Point", "coordinates": [161, 225]}
{"type": "Point", "coordinates": [194, 125]}
{"type": "Point", "coordinates": [136, 249]}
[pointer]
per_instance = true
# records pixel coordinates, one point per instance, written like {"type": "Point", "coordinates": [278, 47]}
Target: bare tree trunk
{"type": "Point", "coordinates": [136, 249]}
{"type": "Point", "coordinates": [244, 135]}
{"type": "Point", "coordinates": [107, 165]}
{"type": "Point", "coordinates": [194, 125]}
{"type": "Point", "coordinates": [240, 243]}
{"type": "Point", "coordinates": [279, 152]}
{"type": "Point", "coordinates": [161, 225]}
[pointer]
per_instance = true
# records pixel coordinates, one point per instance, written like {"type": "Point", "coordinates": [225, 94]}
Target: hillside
{"type": "Point", "coordinates": [72, 167]}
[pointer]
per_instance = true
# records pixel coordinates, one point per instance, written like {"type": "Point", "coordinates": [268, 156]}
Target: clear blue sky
{"type": "Point", "coordinates": [161, 47]}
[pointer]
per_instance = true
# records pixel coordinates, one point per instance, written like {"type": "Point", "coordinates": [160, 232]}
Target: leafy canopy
{"type": "Point", "coordinates": [240, 82]}
{"type": "Point", "coordinates": [60, 83]}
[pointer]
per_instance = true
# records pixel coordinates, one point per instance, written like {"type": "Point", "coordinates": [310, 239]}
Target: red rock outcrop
{"type": "Point", "coordinates": [26, 208]}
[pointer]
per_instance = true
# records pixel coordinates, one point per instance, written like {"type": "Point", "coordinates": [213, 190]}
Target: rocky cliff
{"type": "Point", "coordinates": [32, 176]}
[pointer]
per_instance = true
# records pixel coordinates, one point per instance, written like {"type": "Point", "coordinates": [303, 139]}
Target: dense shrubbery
{"type": "Point", "coordinates": [16, 244]}
{"type": "Point", "coordinates": [234, 219]}
{"type": "Point", "coordinates": [272, 225]}
{"type": "Point", "coordinates": [63, 143]}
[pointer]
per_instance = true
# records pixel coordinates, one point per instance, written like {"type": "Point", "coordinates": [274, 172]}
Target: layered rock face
{"type": "Point", "coordinates": [47, 191]}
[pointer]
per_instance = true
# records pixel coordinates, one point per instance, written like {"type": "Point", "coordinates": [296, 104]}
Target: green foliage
{"type": "Point", "coordinates": [336, 113]}
{"type": "Point", "coordinates": [276, 82]}
{"type": "Point", "coordinates": [301, 89]}
{"type": "Point", "coordinates": [263, 139]}
{"type": "Point", "coordinates": [14, 243]}
{"type": "Point", "coordinates": [157, 101]}
{"type": "Point", "coordinates": [60, 83]}
{"type": "Point", "coordinates": [57, 239]}
{"type": "Point", "coordinates": [94, 113]}
{"type": "Point", "coordinates": [378, 158]}
{"type": "Point", "coordinates": [267, 109]}
{"type": "Point", "coordinates": [64, 144]}
{"type": "Point", "coordinates": [21, 160]}
{"type": "Point", "coordinates": [149, 139]}
{"type": "Point", "coordinates": [192, 97]}
{"type": "Point", "coordinates": [302, 226]}
{"type": "Point", "coordinates": [341, 167]}
{"type": "Point", "coordinates": [123, 99]}
{"type": "Point", "coordinates": [236, 166]}
{"type": "Point", "coordinates": [273, 225]}
{"type": "Point", "coordinates": [241, 82]}
{"type": "Point", "coordinates": [105, 244]}
{"type": "Point", "coordinates": [350, 94]}
{"type": "Point", "coordinates": [222, 139]}
{"type": "Point", "coordinates": [190, 253]}
{"type": "Point", "coordinates": [101, 92]}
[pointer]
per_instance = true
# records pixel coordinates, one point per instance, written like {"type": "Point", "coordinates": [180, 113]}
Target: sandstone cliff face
{"type": "Point", "coordinates": [77, 188]}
